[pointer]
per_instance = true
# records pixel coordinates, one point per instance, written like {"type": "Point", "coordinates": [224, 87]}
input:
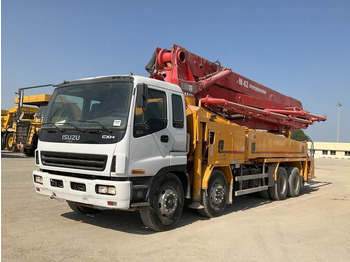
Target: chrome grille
{"type": "Point", "coordinates": [73, 160]}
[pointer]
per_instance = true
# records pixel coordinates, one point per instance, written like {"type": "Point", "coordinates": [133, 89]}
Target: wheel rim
{"type": "Point", "coordinates": [217, 194]}
{"type": "Point", "coordinates": [10, 142]}
{"type": "Point", "coordinates": [282, 184]}
{"type": "Point", "coordinates": [296, 182]}
{"type": "Point", "coordinates": [167, 201]}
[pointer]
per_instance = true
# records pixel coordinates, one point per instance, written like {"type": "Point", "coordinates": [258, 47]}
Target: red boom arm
{"type": "Point", "coordinates": [229, 94]}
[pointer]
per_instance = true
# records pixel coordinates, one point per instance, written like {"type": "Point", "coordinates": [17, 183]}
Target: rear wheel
{"type": "Point", "coordinates": [214, 198]}
{"type": "Point", "coordinates": [81, 208]}
{"type": "Point", "coordinates": [10, 141]}
{"type": "Point", "coordinates": [280, 189]}
{"type": "Point", "coordinates": [294, 181]}
{"type": "Point", "coordinates": [166, 200]}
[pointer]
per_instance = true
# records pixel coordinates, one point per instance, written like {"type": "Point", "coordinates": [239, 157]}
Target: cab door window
{"type": "Point", "coordinates": [178, 111]}
{"type": "Point", "coordinates": [153, 117]}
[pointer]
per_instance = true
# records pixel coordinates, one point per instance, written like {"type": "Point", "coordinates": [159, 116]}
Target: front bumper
{"type": "Point", "coordinates": [119, 201]}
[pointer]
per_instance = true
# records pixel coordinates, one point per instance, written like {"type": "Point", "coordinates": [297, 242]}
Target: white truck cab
{"type": "Point", "coordinates": [105, 139]}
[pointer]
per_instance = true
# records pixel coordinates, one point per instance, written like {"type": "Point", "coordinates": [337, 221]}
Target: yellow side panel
{"type": "Point", "coordinates": [267, 145]}
{"type": "Point", "coordinates": [226, 144]}
{"type": "Point", "coordinates": [190, 100]}
{"type": "Point", "coordinates": [311, 169]}
{"type": "Point", "coordinates": [28, 109]}
{"type": "Point", "coordinates": [4, 121]}
{"type": "Point", "coordinates": [34, 99]}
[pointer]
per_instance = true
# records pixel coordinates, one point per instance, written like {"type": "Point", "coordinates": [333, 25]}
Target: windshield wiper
{"type": "Point", "coordinates": [103, 126]}
{"type": "Point", "coordinates": [53, 124]}
{"type": "Point", "coordinates": [75, 126]}
{"type": "Point", "coordinates": [62, 130]}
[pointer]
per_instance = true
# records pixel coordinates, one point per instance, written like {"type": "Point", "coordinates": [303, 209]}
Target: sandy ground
{"type": "Point", "coordinates": [312, 227]}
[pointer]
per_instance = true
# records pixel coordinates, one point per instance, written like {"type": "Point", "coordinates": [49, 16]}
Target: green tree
{"type": "Point", "coordinates": [299, 135]}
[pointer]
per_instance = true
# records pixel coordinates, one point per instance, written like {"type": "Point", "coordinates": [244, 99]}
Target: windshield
{"type": "Point", "coordinates": [102, 105]}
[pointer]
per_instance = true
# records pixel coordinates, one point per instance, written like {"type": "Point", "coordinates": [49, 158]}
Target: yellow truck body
{"type": "Point", "coordinates": [218, 144]}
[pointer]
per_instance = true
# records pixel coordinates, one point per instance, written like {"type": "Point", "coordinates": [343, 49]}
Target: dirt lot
{"type": "Point", "coordinates": [312, 227]}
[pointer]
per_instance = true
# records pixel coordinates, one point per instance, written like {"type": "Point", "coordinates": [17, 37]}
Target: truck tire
{"type": "Point", "coordinates": [215, 197]}
{"type": "Point", "coordinates": [166, 200]}
{"type": "Point", "coordinates": [10, 141]}
{"type": "Point", "coordinates": [3, 141]}
{"type": "Point", "coordinates": [81, 209]}
{"type": "Point", "coordinates": [30, 150]}
{"type": "Point", "coordinates": [294, 181]}
{"type": "Point", "coordinates": [280, 189]}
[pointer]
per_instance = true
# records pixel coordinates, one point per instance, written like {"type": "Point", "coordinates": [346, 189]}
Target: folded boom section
{"type": "Point", "coordinates": [229, 94]}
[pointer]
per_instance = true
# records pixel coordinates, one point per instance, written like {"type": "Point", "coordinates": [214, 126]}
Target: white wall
{"type": "Point", "coordinates": [331, 150]}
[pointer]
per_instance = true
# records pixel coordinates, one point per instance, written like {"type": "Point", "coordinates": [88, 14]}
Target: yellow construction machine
{"type": "Point", "coordinates": [7, 128]}
{"type": "Point", "coordinates": [21, 123]}
{"type": "Point", "coordinates": [27, 121]}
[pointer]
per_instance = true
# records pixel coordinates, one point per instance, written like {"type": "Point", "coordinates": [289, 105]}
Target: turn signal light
{"type": "Point", "coordinates": [111, 203]}
{"type": "Point", "coordinates": [138, 172]}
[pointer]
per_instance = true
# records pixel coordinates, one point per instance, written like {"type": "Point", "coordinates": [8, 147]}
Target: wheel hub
{"type": "Point", "coordinates": [10, 141]}
{"type": "Point", "coordinates": [217, 194]}
{"type": "Point", "coordinates": [167, 201]}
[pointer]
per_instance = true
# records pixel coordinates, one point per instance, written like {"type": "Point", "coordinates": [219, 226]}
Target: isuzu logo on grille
{"type": "Point", "coordinates": [71, 137]}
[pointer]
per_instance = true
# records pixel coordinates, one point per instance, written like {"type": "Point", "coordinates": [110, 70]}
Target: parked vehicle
{"type": "Point", "coordinates": [7, 128]}
{"type": "Point", "coordinates": [192, 130]}
{"type": "Point", "coordinates": [28, 121]}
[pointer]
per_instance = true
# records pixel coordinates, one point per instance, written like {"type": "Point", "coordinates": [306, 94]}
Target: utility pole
{"type": "Point", "coordinates": [338, 125]}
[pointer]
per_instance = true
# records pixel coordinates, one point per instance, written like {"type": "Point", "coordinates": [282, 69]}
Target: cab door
{"type": "Point", "coordinates": [177, 127]}
{"type": "Point", "coordinates": [150, 141]}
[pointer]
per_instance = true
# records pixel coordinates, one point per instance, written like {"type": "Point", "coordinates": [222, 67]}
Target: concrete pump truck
{"type": "Point", "coordinates": [193, 130]}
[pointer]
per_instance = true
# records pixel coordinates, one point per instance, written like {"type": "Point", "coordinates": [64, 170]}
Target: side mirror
{"type": "Point", "coordinates": [142, 95]}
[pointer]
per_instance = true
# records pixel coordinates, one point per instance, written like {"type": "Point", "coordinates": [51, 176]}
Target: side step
{"type": "Point", "coordinates": [250, 177]}
{"type": "Point", "coordinates": [250, 190]}
{"type": "Point", "coordinates": [242, 178]}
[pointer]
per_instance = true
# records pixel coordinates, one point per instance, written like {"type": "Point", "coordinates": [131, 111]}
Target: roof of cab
{"type": "Point", "coordinates": [112, 78]}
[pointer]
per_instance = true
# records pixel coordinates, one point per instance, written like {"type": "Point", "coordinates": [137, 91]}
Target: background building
{"type": "Point", "coordinates": [330, 150]}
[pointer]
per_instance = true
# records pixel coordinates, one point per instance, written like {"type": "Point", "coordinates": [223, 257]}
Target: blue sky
{"type": "Point", "coordinates": [299, 48]}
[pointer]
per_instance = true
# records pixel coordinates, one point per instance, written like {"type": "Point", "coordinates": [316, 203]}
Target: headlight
{"type": "Point", "coordinates": [106, 190]}
{"type": "Point", "coordinates": [111, 190]}
{"type": "Point", "coordinates": [38, 179]}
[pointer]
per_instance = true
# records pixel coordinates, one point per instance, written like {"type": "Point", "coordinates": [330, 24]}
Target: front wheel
{"type": "Point", "coordinates": [166, 199]}
{"type": "Point", "coordinates": [214, 198]}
